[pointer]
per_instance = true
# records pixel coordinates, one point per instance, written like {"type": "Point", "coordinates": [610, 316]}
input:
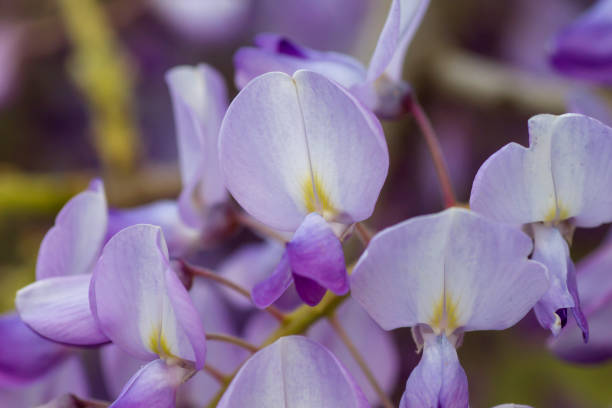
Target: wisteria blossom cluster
{"type": "Point", "coordinates": [299, 157]}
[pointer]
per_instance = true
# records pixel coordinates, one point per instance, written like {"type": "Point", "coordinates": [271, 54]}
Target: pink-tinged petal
{"type": "Point", "coordinates": [581, 167]}
{"type": "Point", "coordinates": [199, 98]}
{"type": "Point", "coordinates": [140, 303]}
{"type": "Point", "coordinates": [269, 290]}
{"type": "Point", "coordinates": [72, 245]}
{"type": "Point", "coordinates": [455, 264]}
{"type": "Point", "coordinates": [276, 53]}
{"type": "Point", "coordinates": [293, 371]}
{"type": "Point", "coordinates": [438, 380]}
{"type": "Point", "coordinates": [152, 386]}
{"type": "Point", "coordinates": [308, 290]}
{"type": "Point", "coordinates": [316, 253]}
{"type": "Point", "coordinates": [583, 49]}
{"type": "Point", "coordinates": [66, 377]}
{"type": "Point", "coordinates": [26, 356]}
{"type": "Point", "coordinates": [58, 309]}
{"type": "Point", "coordinates": [293, 145]}
{"type": "Point", "coordinates": [402, 22]}
{"type": "Point", "coordinates": [179, 237]}
{"type": "Point", "coordinates": [364, 333]}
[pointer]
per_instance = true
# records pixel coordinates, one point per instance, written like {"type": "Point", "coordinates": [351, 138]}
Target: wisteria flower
{"type": "Point", "coordinates": [379, 87]}
{"type": "Point", "coordinates": [583, 48]}
{"type": "Point", "coordinates": [595, 286]}
{"type": "Point", "coordinates": [144, 309]}
{"type": "Point", "coordinates": [300, 154]}
{"type": "Point", "coordinates": [199, 99]}
{"type": "Point", "coordinates": [293, 372]}
{"type": "Point", "coordinates": [443, 275]}
{"type": "Point", "coordinates": [57, 305]}
{"type": "Point", "coordinates": [562, 181]}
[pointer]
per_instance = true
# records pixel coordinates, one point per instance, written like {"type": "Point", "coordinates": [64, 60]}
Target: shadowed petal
{"type": "Point", "coordinates": [179, 237]}
{"type": "Point", "coordinates": [268, 291]}
{"type": "Point", "coordinates": [438, 380]}
{"type": "Point", "coordinates": [316, 253]}
{"type": "Point", "coordinates": [67, 377]}
{"type": "Point", "coordinates": [72, 245]}
{"type": "Point", "coordinates": [139, 301]}
{"type": "Point", "coordinates": [152, 386]}
{"type": "Point", "coordinates": [276, 53]}
{"type": "Point", "coordinates": [293, 371]}
{"type": "Point", "coordinates": [26, 356]}
{"type": "Point", "coordinates": [293, 145]}
{"type": "Point", "coordinates": [449, 270]}
{"type": "Point", "coordinates": [308, 290]}
{"type": "Point", "coordinates": [58, 309]}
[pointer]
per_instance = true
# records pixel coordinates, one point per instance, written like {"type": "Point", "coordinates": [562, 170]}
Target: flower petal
{"type": "Point", "coordinates": [453, 269]}
{"type": "Point", "coordinates": [268, 291]}
{"type": "Point", "coordinates": [139, 301]}
{"type": "Point", "coordinates": [293, 145]}
{"type": "Point", "coordinates": [316, 253]}
{"type": "Point", "coordinates": [154, 385]}
{"type": "Point", "coordinates": [67, 377]}
{"type": "Point", "coordinates": [199, 97]}
{"type": "Point", "coordinates": [582, 49]}
{"type": "Point", "coordinates": [438, 380]}
{"type": "Point", "coordinates": [364, 332]}
{"type": "Point", "coordinates": [293, 371]}
{"type": "Point", "coordinates": [402, 22]}
{"type": "Point", "coordinates": [58, 309]}
{"type": "Point", "coordinates": [565, 173]}
{"type": "Point", "coordinates": [581, 151]}
{"type": "Point", "coordinates": [277, 53]}
{"type": "Point", "coordinates": [164, 213]}
{"type": "Point", "coordinates": [72, 245]}
{"type": "Point", "coordinates": [308, 290]}
{"type": "Point", "coordinates": [26, 356]}
{"type": "Point", "coordinates": [587, 102]}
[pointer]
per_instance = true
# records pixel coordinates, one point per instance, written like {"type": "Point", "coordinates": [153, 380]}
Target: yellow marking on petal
{"type": "Point", "coordinates": [445, 317]}
{"type": "Point", "coordinates": [158, 344]}
{"type": "Point", "coordinates": [556, 213]}
{"type": "Point", "coordinates": [316, 198]}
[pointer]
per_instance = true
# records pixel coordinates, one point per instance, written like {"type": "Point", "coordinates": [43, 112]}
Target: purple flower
{"type": "Point", "coordinates": [144, 309]}
{"type": "Point", "coordinates": [293, 371]}
{"type": "Point", "coordinates": [583, 48]}
{"type": "Point", "coordinates": [379, 87]}
{"type": "Point", "coordinates": [560, 182]}
{"type": "Point", "coordinates": [595, 287]}
{"type": "Point", "coordinates": [26, 356]}
{"type": "Point", "coordinates": [199, 98]}
{"type": "Point", "coordinates": [300, 154]}
{"type": "Point", "coordinates": [56, 306]}
{"type": "Point", "coordinates": [68, 376]}
{"type": "Point", "coordinates": [118, 366]}
{"type": "Point", "coordinates": [443, 275]}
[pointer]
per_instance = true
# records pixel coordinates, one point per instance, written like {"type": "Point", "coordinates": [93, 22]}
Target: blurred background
{"type": "Point", "coordinates": [82, 94]}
